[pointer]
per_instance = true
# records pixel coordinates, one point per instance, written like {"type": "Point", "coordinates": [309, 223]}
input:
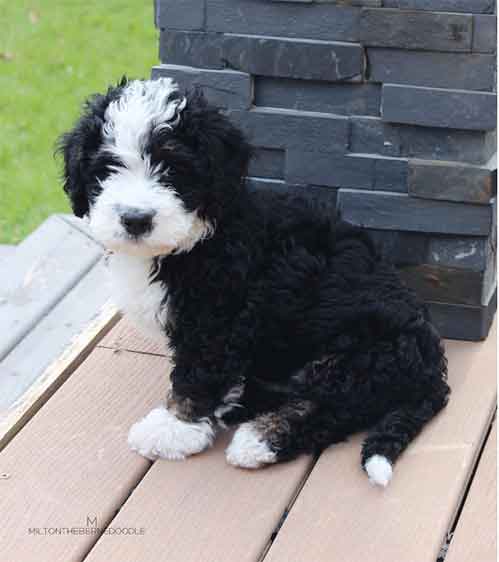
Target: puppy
{"type": "Point", "coordinates": [283, 321]}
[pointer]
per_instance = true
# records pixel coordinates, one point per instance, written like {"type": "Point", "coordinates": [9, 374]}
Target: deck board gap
{"type": "Point", "coordinates": [445, 546]}
{"type": "Point", "coordinates": [450, 533]}
{"type": "Point", "coordinates": [116, 512]}
{"type": "Point", "coordinates": [474, 465]}
{"type": "Point", "coordinates": [288, 509]}
{"type": "Point", "coordinates": [120, 349]}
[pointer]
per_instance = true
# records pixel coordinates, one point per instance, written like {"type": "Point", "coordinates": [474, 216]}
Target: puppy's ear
{"type": "Point", "coordinates": [80, 144]}
{"type": "Point", "coordinates": [77, 146]}
{"type": "Point", "coordinates": [218, 143]}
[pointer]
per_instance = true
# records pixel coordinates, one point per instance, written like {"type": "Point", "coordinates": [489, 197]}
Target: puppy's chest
{"type": "Point", "coordinates": [137, 295]}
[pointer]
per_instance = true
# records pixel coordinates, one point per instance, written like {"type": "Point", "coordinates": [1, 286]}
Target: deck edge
{"type": "Point", "coordinates": [57, 373]}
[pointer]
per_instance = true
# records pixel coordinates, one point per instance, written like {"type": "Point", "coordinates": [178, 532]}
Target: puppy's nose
{"type": "Point", "coordinates": [137, 221]}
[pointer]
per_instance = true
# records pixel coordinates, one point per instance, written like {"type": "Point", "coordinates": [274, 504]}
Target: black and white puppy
{"type": "Point", "coordinates": [283, 322]}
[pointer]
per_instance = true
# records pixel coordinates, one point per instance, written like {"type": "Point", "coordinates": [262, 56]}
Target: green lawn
{"type": "Point", "coordinates": [52, 55]}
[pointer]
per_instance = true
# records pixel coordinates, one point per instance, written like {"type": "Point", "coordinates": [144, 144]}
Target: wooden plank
{"type": "Point", "coordinates": [344, 518]}
{"type": "Point", "coordinates": [80, 224]}
{"type": "Point", "coordinates": [248, 505]}
{"type": "Point", "coordinates": [51, 336]}
{"type": "Point", "coordinates": [475, 537]}
{"type": "Point", "coordinates": [45, 266]}
{"type": "Point", "coordinates": [6, 251]}
{"type": "Point", "coordinates": [127, 337]}
{"type": "Point", "coordinates": [81, 467]}
{"type": "Point", "coordinates": [213, 512]}
{"type": "Point", "coordinates": [71, 462]}
{"type": "Point", "coordinates": [17, 415]}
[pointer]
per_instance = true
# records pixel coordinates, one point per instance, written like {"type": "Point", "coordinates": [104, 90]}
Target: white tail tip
{"type": "Point", "coordinates": [379, 470]}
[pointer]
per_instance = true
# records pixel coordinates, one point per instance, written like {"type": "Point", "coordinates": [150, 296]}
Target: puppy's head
{"type": "Point", "coordinates": [152, 168]}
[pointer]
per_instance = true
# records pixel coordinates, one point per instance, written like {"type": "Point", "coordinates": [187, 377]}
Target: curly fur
{"type": "Point", "coordinates": [283, 317]}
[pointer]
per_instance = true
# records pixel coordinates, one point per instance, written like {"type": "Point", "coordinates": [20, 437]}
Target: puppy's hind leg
{"type": "Point", "coordinates": [390, 436]}
{"type": "Point", "coordinates": [280, 435]}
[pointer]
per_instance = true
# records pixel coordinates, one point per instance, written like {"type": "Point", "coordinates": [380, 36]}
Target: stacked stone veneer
{"type": "Point", "coordinates": [382, 108]}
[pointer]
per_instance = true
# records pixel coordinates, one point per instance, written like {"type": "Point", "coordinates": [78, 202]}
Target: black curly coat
{"type": "Point", "coordinates": [302, 311]}
{"type": "Point", "coordinates": [286, 307]}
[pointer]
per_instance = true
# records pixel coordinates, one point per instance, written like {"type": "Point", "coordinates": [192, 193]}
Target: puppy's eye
{"type": "Point", "coordinates": [168, 172]}
{"type": "Point", "coordinates": [105, 164]}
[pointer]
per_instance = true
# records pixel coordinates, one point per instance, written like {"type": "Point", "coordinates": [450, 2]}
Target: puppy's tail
{"type": "Point", "coordinates": [393, 433]}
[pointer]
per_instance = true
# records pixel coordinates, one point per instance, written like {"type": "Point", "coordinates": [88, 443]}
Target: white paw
{"type": "Point", "coordinates": [248, 449]}
{"type": "Point", "coordinates": [379, 470]}
{"type": "Point", "coordinates": [161, 434]}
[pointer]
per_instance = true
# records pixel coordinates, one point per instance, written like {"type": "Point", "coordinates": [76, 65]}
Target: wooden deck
{"type": "Point", "coordinates": [66, 474]}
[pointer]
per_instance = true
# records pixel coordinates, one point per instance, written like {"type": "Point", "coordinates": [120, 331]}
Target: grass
{"type": "Point", "coordinates": [52, 55]}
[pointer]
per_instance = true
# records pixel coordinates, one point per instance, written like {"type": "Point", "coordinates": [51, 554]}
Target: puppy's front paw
{"type": "Point", "coordinates": [249, 449]}
{"type": "Point", "coordinates": [161, 434]}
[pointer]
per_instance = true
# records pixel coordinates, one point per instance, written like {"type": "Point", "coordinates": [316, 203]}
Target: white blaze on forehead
{"type": "Point", "coordinates": [142, 106]}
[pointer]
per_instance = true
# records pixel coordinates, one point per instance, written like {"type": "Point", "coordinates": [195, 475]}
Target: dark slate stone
{"type": "Point", "coordinates": [463, 322]}
{"type": "Point", "coordinates": [468, 6]}
{"type": "Point", "coordinates": [401, 248]}
{"type": "Point", "coordinates": [288, 58]}
{"type": "Point", "coordinates": [280, 128]}
{"type": "Point", "coordinates": [346, 170]}
{"type": "Point", "coordinates": [370, 134]}
{"type": "Point", "coordinates": [436, 283]}
{"type": "Point", "coordinates": [342, 99]}
{"type": "Point", "coordinates": [390, 174]}
{"type": "Point", "coordinates": [432, 107]}
{"type": "Point", "coordinates": [397, 211]}
{"type": "Point", "coordinates": [490, 276]}
{"type": "Point", "coordinates": [494, 217]}
{"type": "Point", "coordinates": [323, 197]}
{"type": "Point", "coordinates": [181, 14]}
{"type": "Point", "coordinates": [223, 88]}
{"type": "Point", "coordinates": [189, 48]}
{"type": "Point", "coordinates": [266, 56]}
{"type": "Point", "coordinates": [257, 183]}
{"type": "Point", "coordinates": [439, 70]}
{"type": "Point", "coordinates": [451, 181]}
{"type": "Point", "coordinates": [468, 254]}
{"type": "Point", "coordinates": [260, 17]}
{"type": "Point", "coordinates": [370, 3]}
{"type": "Point", "coordinates": [267, 163]}
{"type": "Point", "coordinates": [490, 147]}
{"type": "Point", "coordinates": [416, 30]}
{"type": "Point", "coordinates": [335, 170]}
{"type": "Point", "coordinates": [460, 252]}
{"type": "Point", "coordinates": [484, 34]}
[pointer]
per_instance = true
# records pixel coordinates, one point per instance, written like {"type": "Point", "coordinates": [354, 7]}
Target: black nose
{"type": "Point", "coordinates": [137, 221]}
